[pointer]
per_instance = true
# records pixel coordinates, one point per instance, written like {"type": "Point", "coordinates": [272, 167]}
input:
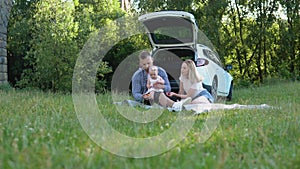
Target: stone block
{"type": "Point", "coordinates": [3, 36]}
{"type": "Point", "coordinates": [4, 14]}
{"type": "Point", "coordinates": [2, 43]}
{"type": "Point", "coordinates": [3, 76]}
{"type": "Point", "coordinates": [3, 29]}
{"type": "Point", "coordinates": [3, 60]}
{"type": "Point", "coordinates": [3, 52]}
{"type": "Point", "coordinates": [3, 68]}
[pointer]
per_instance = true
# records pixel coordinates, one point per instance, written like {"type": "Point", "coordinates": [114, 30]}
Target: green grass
{"type": "Point", "coordinates": [41, 130]}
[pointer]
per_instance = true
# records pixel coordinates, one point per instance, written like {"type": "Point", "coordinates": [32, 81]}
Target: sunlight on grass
{"type": "Point", "coordinates": [41, 130]}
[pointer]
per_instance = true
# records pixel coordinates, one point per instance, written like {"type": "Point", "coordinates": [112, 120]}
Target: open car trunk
{"type": "Point", "coordinates": [170, 28]}
{"type": "Point", "coordinates": [171, 59]}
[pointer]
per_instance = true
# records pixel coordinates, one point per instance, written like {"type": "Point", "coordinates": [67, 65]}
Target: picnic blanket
{"type": "Point", "coordinates": [202, 108]}
{"type": "Point", "coordinates": [199, 108]}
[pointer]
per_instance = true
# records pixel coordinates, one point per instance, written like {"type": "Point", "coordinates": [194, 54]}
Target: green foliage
{"type": "Point", "coordinates": [157, 5]}
{"type": "Point", "coordinates": [19, 36]}
{"type": "Point", "coordinates": [250, 35]}
{"type": "Point", "coordinates": [91, 15]}
{"type": "Point", "coordinates": [59, 30]}
{"type": "Point", "coordinates": [53, 50]}
{"type": "Point", "coordinates": [122, 50]}
{"type": "Point", "coordinates": [5, 87]}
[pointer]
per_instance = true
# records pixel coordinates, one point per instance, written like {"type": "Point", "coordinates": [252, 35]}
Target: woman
{"type": "Point", "coordinates": [190, 86]}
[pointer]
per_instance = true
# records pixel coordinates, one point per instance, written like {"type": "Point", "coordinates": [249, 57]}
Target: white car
{"type": "Point", "coordinates": [175, 37]}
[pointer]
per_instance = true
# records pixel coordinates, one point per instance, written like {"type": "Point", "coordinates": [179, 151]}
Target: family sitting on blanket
{"type": "Point", "coordinates": [191, 90]}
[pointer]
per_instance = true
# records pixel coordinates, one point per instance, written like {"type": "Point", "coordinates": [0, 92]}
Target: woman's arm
{"type": "Point", "coordinates": [190, 93]}
{"type": "Point", "coordinates": [181, 92]}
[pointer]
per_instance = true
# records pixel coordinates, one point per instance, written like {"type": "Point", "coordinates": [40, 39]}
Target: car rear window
{"type": "Point", "coordinates": [170, 30]}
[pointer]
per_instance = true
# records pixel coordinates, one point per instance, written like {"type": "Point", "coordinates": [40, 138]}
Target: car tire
{"type": "Point", "coordinates": [229, 97]}
{"type": "Point", "coordinates": [214, 88]}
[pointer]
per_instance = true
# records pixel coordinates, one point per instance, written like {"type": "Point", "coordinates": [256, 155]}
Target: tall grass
{"type": "Point", "coordinates": [41, 130]}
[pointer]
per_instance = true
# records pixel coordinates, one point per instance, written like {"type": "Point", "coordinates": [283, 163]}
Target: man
{"type": "Point", "coordinates": [139, 85]}
{"type": "Point", "coordinates": [139, 79]}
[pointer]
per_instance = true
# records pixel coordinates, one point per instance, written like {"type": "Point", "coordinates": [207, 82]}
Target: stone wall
{"type": "Point", "coordinates": [5, 7]}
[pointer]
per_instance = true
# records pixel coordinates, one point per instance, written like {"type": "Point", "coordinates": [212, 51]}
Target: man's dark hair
{"type": "Point", "coordinates": [144, 55]}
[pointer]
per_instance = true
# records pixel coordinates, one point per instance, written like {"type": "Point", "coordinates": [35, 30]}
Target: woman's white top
{"type": "Point", "coordinates": [187, 85]}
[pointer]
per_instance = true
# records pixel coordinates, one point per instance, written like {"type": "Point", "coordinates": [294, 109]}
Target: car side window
{"type": "Point", "coordinates": [209, 54]}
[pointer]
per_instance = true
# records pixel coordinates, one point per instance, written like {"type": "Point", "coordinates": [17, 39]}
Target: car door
{"type": "Point", "coordinates": [219, 73]}
{"type": "Point", "coordinates": [170, 28]}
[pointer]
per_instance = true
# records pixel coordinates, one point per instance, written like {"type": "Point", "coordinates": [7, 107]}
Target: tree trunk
{"type": "Point", "coordinates": [125, 4]}
{"type": "Point", "coordinates": [5, 7]}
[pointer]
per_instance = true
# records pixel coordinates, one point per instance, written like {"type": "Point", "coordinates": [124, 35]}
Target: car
{"type": "Point", "coordinates": [175, 36]}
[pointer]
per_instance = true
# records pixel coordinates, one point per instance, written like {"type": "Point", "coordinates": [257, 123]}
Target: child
{"type": "Point", "coordinates": [153, 78]}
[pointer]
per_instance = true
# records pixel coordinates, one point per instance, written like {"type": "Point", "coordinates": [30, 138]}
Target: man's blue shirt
{"type": "Point", "coordinates": [139, 83]}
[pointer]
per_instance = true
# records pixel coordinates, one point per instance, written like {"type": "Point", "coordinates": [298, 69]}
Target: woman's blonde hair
{"type": "Point", "coordinates": [193, 76]}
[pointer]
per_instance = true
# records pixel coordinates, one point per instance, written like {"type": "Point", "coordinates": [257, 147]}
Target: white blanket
{"type": "Point", "coordinates": [201, 108]}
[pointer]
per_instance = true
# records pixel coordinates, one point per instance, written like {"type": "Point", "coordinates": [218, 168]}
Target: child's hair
{"type": "Point", "coordinates": [153, 68]}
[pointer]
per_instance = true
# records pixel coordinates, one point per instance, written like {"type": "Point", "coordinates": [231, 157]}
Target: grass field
{"type": "Point", "coordinates": [41, 130]}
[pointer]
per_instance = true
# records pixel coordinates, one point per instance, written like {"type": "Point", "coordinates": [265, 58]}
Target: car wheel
{"type": "Point", "coordinates": [214, 88]}
{"type": "Point", "coordinates": [229, 97]}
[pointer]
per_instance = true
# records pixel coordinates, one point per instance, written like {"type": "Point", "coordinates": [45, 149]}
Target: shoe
{"type": "Point", "coordinates": [177, 106]}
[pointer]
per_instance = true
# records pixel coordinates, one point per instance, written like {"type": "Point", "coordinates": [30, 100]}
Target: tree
{"type": "Point", "coordinates": [53, 51]}
{"type": "Point", "coordinates": [289, 44]}
{"type": "Point", "coordinates": [158, 5]}
{"type": "Point", "coordinates": [19, 37]}
{"type": "Point", "coordinates": [247, 34]}
{"type": "Point", "coordinates": [250, 26]}
{"type": "Point", "coordinates": [92, 16]}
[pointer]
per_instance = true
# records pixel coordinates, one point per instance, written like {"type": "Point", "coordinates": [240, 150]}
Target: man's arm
{"type": "Point", "coordinates": [161, 80]}
{"type": "Point", "coordinates": [136, 87]}
{"type": "Point", "coordinates": [148, 84]}
{"type": "Point", "coordinates": [162, 73]}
